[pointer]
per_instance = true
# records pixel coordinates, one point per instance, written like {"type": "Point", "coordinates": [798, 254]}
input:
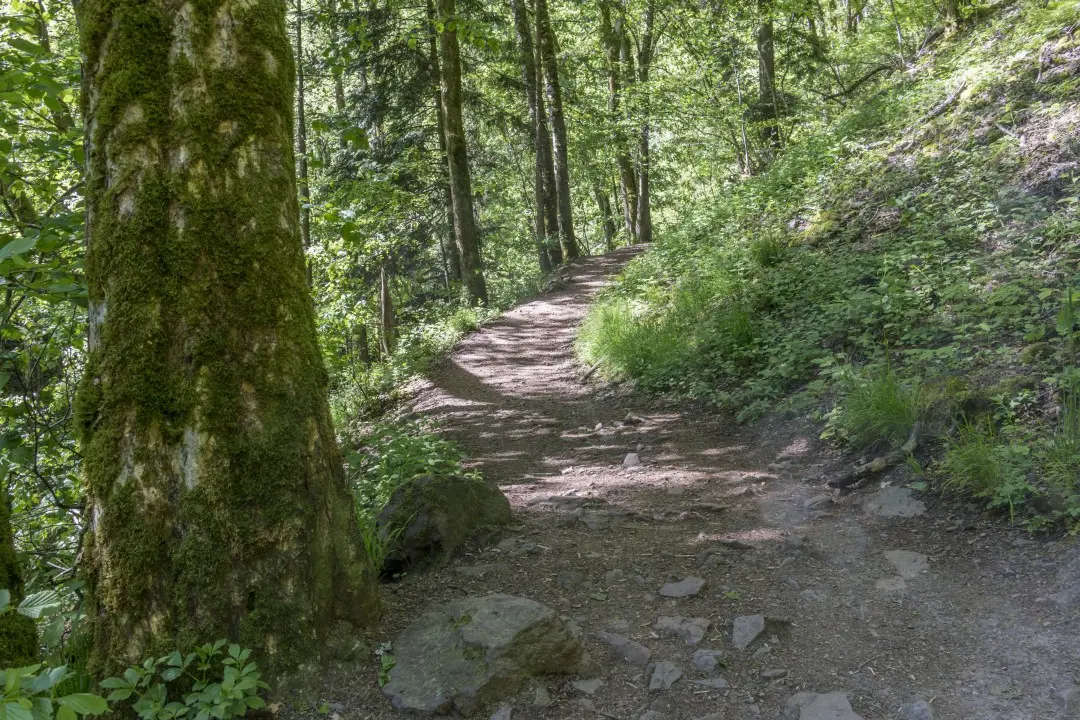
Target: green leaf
{"type": "Point", "coordinates": [17, 247]}
{"type": "Point", "coordinates": [121, 694]}
{"type": "Point", "coordinates": [255, 702]}
{"type": "Point", "coordinates": [43, 708]}
{"type": "Point", "coordinates": [114, 682]}
{"type": "Point", "coordinates": [66, 713]}
{"type": "Point", "coordinates": [40, 603]}
{"type": "Point", "coordinates": [15, 711]}
{"type": "Point", "coordinates": [85, 703]}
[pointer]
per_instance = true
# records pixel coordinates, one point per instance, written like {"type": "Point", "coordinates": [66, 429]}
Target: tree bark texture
{"type": "Point", "coordinates": [18, 634]}
{"type": "Point", "coordinates": [538, 125]}
{"type": "Point", "coordinates": [453, 255]}
{"type": "Point", "coordinates": [766, 52]}
{"type": "Point", "coordinates": [645, 56]}
{"type": "Point", "coordinates": [472, 272]}
{"type": "Point", "coordinates": [627, 178]}
{"type": "Point", "coordinates": [549, 62]}
{"type": "Point", "coordinates": [301, 134]}
{"type": "Point", "coordinates": [386, 314]}
{"type": "Point", "coordinates": [217, 497]}
{"type": "Point", "coordinates": [603, 204]}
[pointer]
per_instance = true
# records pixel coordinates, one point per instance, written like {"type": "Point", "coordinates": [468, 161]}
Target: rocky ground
{"type": "Point", "coordinates": [708, 568]}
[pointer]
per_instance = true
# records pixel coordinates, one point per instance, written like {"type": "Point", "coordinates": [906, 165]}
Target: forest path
{"type": "Point", "coordinates": [964, 617]}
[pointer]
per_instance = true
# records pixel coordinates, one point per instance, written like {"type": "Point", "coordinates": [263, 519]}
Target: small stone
{"type": "Point", "coordinates": [630, 650]}
{"type": "Point", "coordinates": [684, 588]}
{"type": "Point", "coordinates": [631, 460]}
{"type": "Point", "coordinates": [541, 696]}
{"type": "Point", "coordinates": [817, 501]}
{"type": "Point", "coordinates": [690, 630]}
{"type": "Point", "coordinates": [761, 652]}
{"type": "Point", "coordinates": [894, 502]}
{"type": "Point", "coordinates": [716, 683]}
{"type": "Point", "coordinates": [917, 711]}
{"type": "Point", "coordinates": [614, 576]}
{"type": "Point", "coordinates": [708, 661]}
{"type": "Point", "coordinates": [774, 674]}
{"type": "Point", "coordinates": [598, 427]}
{"type": "Point", "coordinates": [908, 564]}
{"type": "Point", "coordinates": [589, 687]}
{"type": "Point", "coordinates": [811, 596]}
{"type": "Point", "coordinates": [619, 625]}
{"type": "Point", "coordinates": [664, 675]}
{"type": "Point", "coordinates": [632, 419]}
{"type": "Point", "coordinates": [746, 629]}
{"type": "Point", "coordinates": [570, 579]}
{"type": "Point", "coordinates": [812, 706]}
{"type": "Point", "coordinates": [504, 713]}
{"type": "Point", "coordinates": [598, 596]}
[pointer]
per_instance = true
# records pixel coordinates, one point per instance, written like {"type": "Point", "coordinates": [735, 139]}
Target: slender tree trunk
{"type": "Point", "coordinates": [537, 125]}
{"type": "Point", "coordinates": [603, 204]}
{"type": "Point", "coordinates": [472, 272]}
{"type": "Point", "coordinates": [628, 179]}
{"type": "Point", "coordinates": [645, 56]}
{"type": "Point", "coordinates": [362, 346]}
{"type": "Point", "coordinates": [216, 494]}
{"type": "Point", "coordinates": [453, 255]}
{"type": "Point", "coordinates": [301, 135]}
{"type": "Point", "coordinates": [543, 150]}
{"type": "Point", "coordinates": [386, 314]}
{"type": "Point", "coordinates": [549, 61]}
{"type": "Point", "coordinates": [766, 51]}
{"type": "Point", "coordinates": [18, 634]}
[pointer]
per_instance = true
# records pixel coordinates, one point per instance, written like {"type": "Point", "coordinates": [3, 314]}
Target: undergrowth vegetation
{"type": "Point", "coordinates": [912, 259]}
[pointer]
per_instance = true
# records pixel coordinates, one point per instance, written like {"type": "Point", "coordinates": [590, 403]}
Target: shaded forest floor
{"type": "Point", "coordinates": [985, 628]}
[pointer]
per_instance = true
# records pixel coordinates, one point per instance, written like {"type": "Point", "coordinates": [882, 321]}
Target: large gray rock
{"type": "Point", "coordinates": [894, 501]}
{"type": "Point", "coordinates": [477, 650]}
{"type": "Point", "coordinates": [812, 706]}
{"type": "Point", "coordinates": [686, 587]}
{"type": "Point", "coordinates": [746, 629]}
{"type": "Point", "coordinates": [690, 630]}
{"type": "Point", "coordinates": [429, 517]}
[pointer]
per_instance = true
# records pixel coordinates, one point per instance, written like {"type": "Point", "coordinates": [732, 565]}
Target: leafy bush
{"type": "Point", "coordinates": [394, 452]}
{"type": "Point", "coordinates": [204, 684]}
{"type": "Point", "coordinates": [33, 693]}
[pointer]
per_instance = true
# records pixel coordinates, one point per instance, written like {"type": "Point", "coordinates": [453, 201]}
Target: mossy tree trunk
{"type": "Point", "coordinates": [645, 58]}
{"type": "Point", "coordinates": [453, 254]}
{"type": "Point", "coordinates": [18, 636]}
{"type": "Point", "coordinates": [613, 41]}
{"type": "Point", "coordinates": [472, 271]}
{"type": "Point", "coordinates": [216, 490]}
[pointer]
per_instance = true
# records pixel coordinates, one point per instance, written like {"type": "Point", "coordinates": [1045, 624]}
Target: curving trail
{"type": "Point", "coordinates": [970, 617]}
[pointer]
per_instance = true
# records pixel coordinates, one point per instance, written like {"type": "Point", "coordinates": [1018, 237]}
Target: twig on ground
{"type": "Point", "coordinates": [879, 463]}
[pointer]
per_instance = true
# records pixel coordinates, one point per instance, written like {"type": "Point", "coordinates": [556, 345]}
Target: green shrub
{"type": "Point", "coordinates": [211, 682]}
{"type": "Point", "coordinates": [879, 410]}
{"type": "Point", "coordinates": [34, 693]}
{"type": "Point", "coordinates": [983, 463]}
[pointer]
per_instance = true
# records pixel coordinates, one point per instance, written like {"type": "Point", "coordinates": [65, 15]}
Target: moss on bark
{"type": "Point", "coordinates": [18, 635]}
{"type": "Point", "coordinates": [217, 494]}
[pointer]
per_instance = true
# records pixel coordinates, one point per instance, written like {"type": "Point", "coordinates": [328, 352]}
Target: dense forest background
{"type": "Point", "coordinates": [863, 210]}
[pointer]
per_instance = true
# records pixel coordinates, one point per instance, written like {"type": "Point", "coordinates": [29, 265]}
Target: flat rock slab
{"type": "Point", "coordinates": [894, 502]}
{"type": "Point", "coordinates": [470, 652]}
{"type": "Point", "coordinates": [745, 630]}
{"type": "Point", "coordinates": [690, 630]}
{"type": "Point", "coordinates": [589, 687]}
{"type": "Point", "coordinates": [664, 675]}
{"type": "Point", "coordinates": [629, 650]}
{"type": "Point", "coordinates": [686, 587]}
{"type": "Point", "coordinates": [812, 706]}
{"type": "Point", "coordinates": [908, 564]}
{"type": "Point", "coordinates": [631, 460]}
{"type": "Point", "coordinates": [708, 661]}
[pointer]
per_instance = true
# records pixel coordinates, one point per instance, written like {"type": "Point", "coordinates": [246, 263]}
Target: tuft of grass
{"type": "Point", "coordinates": [880, 410]}
{"type": "Point", "coordinates": [981, 462]}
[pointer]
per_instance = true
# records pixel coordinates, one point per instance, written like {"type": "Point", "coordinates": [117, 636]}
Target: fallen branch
{"type": "Point", "coordinates": [879, 463]}
{"type": "Point", "coordinates": [846, 92]}
{"type": "Point", "coordinates": [589, 373]}
{"type": "Point", "coordinates": [930, 116]}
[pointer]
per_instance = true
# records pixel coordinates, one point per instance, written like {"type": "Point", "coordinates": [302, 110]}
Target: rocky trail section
{"type": "Point", "coordinates": [707, 568]}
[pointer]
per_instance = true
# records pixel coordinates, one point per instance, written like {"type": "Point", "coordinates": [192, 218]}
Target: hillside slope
{"type": "Point", "coordinates": [914, 260]}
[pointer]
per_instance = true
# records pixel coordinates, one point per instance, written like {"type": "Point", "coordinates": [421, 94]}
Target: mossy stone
{"type": "Point", "coordinates": [429, 517]}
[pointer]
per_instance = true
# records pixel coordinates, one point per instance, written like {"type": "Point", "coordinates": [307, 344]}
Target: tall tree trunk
{"type": "Point", "coordinates": [766, 51]}
{"type": "Point", "coordinates": [627, 178]}
{"type": "Point", "coordinates": [645, 55]}
{"type": "Point", "coordinates": [603, 204]}
{"type": "Point", "coordinates": [472, 272]}
{"type": "Point", "coordinates": [386, 313]}
{"type": "Point", "coordinates": [18, 634]}
{"type": "Point", "coordinates": [543, 150]}
{"type": "Point", "coordinates": [549, 61]}
{"type": "Point", "coordinates": [217, 499]}
{"type": "Point", "coordinates": [362, 345]}
{"type": "Point", "coordinates": [301, 134]}
{"type": "Point", "coordinates": [538, 125]}
{"type": "Point", "coordinates": [453, 255]}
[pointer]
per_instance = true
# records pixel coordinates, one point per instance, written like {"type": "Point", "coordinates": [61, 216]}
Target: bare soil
{"type": "Point", "coordinates": [977, 635]}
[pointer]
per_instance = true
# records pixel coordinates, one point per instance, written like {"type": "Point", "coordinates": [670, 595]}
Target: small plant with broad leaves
{"type": "Point", "coordinates": [31, 693]}
{"type": "Point", "coordinates": [220, 683]}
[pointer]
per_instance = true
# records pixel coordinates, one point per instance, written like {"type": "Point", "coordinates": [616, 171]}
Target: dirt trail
{"type": "Point", "coordinates": [977, 633]}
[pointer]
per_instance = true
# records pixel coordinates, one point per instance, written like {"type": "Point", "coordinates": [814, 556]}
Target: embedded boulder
{"type": "Point", "coordinates": [429, 517]}
{"type": "Point", "coordinates": [473, 652]}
